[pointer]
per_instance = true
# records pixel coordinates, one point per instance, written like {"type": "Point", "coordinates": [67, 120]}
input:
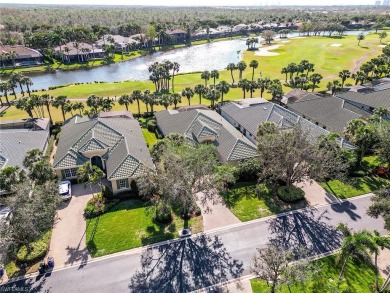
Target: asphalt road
{"type": "Point", "coordinates": [206, 259]}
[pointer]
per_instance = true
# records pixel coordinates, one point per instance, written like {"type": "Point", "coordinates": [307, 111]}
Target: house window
{"type": "Point", "coordinates": [122, 183]}
{"type": "Point", "coordinates": [69, 173]}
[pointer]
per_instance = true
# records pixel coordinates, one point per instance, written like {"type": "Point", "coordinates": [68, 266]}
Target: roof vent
{"type": "Point", "coordinates": [20, 142]}
{"type": "Point", "coordinates": [265, 108]}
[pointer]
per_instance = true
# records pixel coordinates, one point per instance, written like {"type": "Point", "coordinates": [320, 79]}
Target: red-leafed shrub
{"type": "Point", "coordinates": [382, 172]}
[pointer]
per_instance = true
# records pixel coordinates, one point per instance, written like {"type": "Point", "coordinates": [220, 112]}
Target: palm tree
{"type": "Point", "coordinates": [206, 76]}
{"type": "Point", "coordinates": [145, 98]}
{"type": "Point", "coordinates": [359, 76]}
{"type": "Point", "coordinates": [176, 98]}
{"type": "Point", "coordinates": [137, 95]}
{"type": "Point", "coordinates": [188, 93]}
{"type": "Point", "coordinates": [241, 66]}
{"type": "Point", "coordinates": [333, 86]}
{"type": "Point", "coordinates": [200, 89]}
{"type": "Point", "coordinates": [5, 88]}
{"type": "Point", "coordinates": [59, 102]}
{"type": "Point", "coordinates": [12, 55]}
{"type": "Point", "coordinates": [252, 86]}
{"type": "Point", "coordinates": [46, 100]}
{"type": "Point", "coordinates": [28, 82]}
{"type": "Point", "coordinates": [24, 104]}
{"type": "Point", "coordinates": [175, 68]}
{"type": "Point", "coordinates": [153, 100]}
{"type": "Point", "coordinates": [107, 104]}
{"type": "Point", "coordinates": [253, 64]}
{"type": "Point", "coordinates": [78, 106]}
{"type": "Point", "coordinates": [344, 74]}
{"type": "Point", "coordinates": [275, 89]}
{"type": "Point", "coordinates": [13, 81]}
{"type": "Point", "coordinates": [244, 85]}
{"type": "Point", "coordinates": [166, 100]}
{"type": "Point", "coordinates": [125, 100]}
{"type": "Point", "coordinates": [68, 108]}
{"type": "Point", "coordinates": [213, 95]}
{"type": "Point", "coordinates": [262, 84]}
{"type": "Point", "coordinates": [94, 102]}
{"type": "Point", "coordinates": [223, 88]}
{"type": "Point", "coordinates": [284, 71]}
{"type": "Point", "coordinates": [231, 67]}
{"type": "Point", "coordinates": [214, 74]}
{"type": "Point", "coordinates": [90, 175]}
{"type": "Point", "coordinates": [379, 242]}
{"type": "Point", "coordinates": [354, 245]}
{"type": "Point", "coordinates": [315, 79]}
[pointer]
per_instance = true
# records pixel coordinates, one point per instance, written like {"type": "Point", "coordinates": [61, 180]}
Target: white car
{"type": "Point", "coordinates": [5, 213]}
{"type": "Point", "coordinates": [65, 189]}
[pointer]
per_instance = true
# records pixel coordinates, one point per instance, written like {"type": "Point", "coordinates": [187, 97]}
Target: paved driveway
{"type": "Point", "coordinates": [67, 244]}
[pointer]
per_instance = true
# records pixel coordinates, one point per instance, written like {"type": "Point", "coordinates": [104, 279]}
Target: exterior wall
{"type": "Point", "coordinates": [239, 127]}
{"type": "Point", "coordinates": [60, 173]}
{"type": "Point", "coordinates": [115, 188]}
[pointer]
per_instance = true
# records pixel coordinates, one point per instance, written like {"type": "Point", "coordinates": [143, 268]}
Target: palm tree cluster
{"type": "Point", "coordinates": [162, 73]}
{"type": "Point", "coordinates": [361, 245]}
{"type": "Point", "coordinates": [302, 79]}
{"type": "Point", "coordinates": [251, 43]}
{"type": "Point", "coordinates": [5, 56]}
{"type": "Point", "coordinates": [16, 79]}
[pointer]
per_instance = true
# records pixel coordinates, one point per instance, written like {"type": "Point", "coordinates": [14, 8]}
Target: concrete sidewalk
{"type": "Point", "coordinates": [315, 194]}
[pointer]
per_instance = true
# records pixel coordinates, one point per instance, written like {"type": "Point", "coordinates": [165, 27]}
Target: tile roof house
{"type": "Point", "coordinates": [24, 56]}
{"type": "Point", "coordinates": [113, 143]}
{"type": "Point", "coordinates": [81, 52]}
{"type": "Point", "coordinates": [19, 136]}
{"type": "Point", "coordinates": [119, 42]}
{"type": "Point", "coordinates": [369, 99]}
{"type": "Point", "coordinates": [329, 112]}
{"type": "Point", "coordinates": [246, 115]}
{"type": "Point", "coordinates": [207, 126]}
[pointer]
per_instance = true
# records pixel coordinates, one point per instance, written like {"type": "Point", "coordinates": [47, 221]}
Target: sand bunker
{"type": "Point", "coordinates": [299, 38]}
{"type": "Point", "coordinates": [265, 51]}
{"type": "Point", "coordinates": [335, 45]}
{"type": "Point", "coordinates": [381, 46]}
{"type": "Point", "coordinates": [285, 41]}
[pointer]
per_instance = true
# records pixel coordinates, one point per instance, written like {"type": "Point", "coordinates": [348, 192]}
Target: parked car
{"type": "Point", "coordinates": [65, 189]}
{"type": "Point", "coordinates": [5, 213]}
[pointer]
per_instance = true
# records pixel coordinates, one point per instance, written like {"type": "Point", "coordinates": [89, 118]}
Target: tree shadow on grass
{"type": "Point", "coordinates": [164, 232]}
{"type": "Point", "coordinates": [306, 229]}
{"type": "Point", "coordinates": [185, 265]}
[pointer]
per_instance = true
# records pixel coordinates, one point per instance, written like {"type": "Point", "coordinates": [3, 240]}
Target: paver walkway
{"type": "Point", "coordinates": [218, 216]}
{"type": "Point", "coordinates": [315, 194]}
{"type": "Point", "coordinates": [67, 244]}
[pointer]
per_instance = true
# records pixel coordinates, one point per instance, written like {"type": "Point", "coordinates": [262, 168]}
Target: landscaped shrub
{"type": "Point", "coordinates": [50, 144]}
{"type": "Point", "coordinates": [98, 205]}
{"type": "Point", "coordinates": [382, 172]}
{"type": "Point", "coordinates": [151, 125]}
{"type": "Point", "coordinates": [38, 251]}
{"type": "Point", "coordinates": [249, 169]}
{"type": "Point", "coordinates": [294, 194]}
{"type": "Point", "coordinates": [107, 193]}
{"type": "Point", "coordinates": [163, 214]}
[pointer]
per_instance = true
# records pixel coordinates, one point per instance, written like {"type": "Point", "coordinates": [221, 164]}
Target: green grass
{"type": "Point", "coordinates": [354, 186]}
{"type": "Point", "coordinates": [128, 225]}
{"type": "Point", "coordinates": [150, 137]}
{"type": "Point", "coordinates": [245, 203]}
{"type": "Point", "coordinates": [358, 278]}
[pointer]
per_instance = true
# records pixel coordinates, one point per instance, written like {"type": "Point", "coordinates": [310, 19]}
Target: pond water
{"type": "Point", "coordinates": [215, 55]}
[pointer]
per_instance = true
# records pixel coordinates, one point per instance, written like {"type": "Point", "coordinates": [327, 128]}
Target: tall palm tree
{"type": "Point", "coordinates": [27, 82]}
{"type": "Point", "coordinates": [214, 74]}
{"type": "Point", "coordinates": [90, 175]}
{"type": "Point", "coordinates": [78, 106]}
{"type": "Point", "coordinates": [125, 100]}
{"type": "Point", "coordinates": [59, 102]}
{"type": "Point", "coordinates": [166, 100]}
{"type": "Point", "coordinates": [244, 84]}
{"type": "Point", "coordinates": [275, 89]}
{"type": "Point", "coordinates": [252, 86]}
{"type": "Point", "coordinates": [253, 64]}
{"type": "Point", "coordinates": [223, 88]}
{"type": "Point", "coordinates": [176, 98]}
{"type": "Point", "coordinates": [206, 76]}
{"type": "Point", "coordinates": [13, 81]}
{"type": "Point", "coordinates": [354, 245]}
{"type": "Point", "coordinates": [188, 93]}
{"type": "Point", "coordinates": [263, 84]}
{"type": "Point", "coordinates": [46, 100]}
{"type": "Point", "coordinates": [213, 95]}
{"type": "Point", "coordinates": [379, 243]}
{"type": "Point", "coordinates": [68, 108]}
{"type": "Point", "coordinates": [200, 89]}
{"type": "Point", "coordinates": [315, 79]}
{"type": "Point", "coordinates": [107, 104]}
{"type": "Point", "coordinates": [94, 102]}
{"type": "Point", "coordinates": [231, 67]}
{"type": "Point", "coordinates": [145, 98]}
{"type": "Point", "coordinates": [137, 95]}
{"type": "Point", "coordinates": [12, 55]}
{"type": "Point", "coordinates": [241, 66]}
{"type": "Point", "coordinates": [175, 68]}
{"type": "Point", "coordinates": [333, 86]}
{"type": "Point", "coordinates": [344, 74]}
{"type": "Point", "coordinates": [284, 71]}
{"type": "Point", "coordinates": [5, 87]}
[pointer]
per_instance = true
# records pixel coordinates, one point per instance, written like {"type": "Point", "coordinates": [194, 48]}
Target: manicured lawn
{"type": "Point", "coordinates": [358, 278]}
{"type": "Point", "coordinates": [247, 203]}
{"type": "Point", "coordinates": [355, 186]}
{"type": "Point", "coordinates": [128, 225]}
{"type": "Point", "coordinates": [150, 137]}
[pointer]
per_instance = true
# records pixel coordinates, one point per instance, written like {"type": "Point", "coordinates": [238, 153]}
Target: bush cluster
{"type": "Point", "coordinates": [152, 125]}
{"type": "Point", "coordinates": [292, 195]}
{"type": "Point", "coordinates": [98, 205]}
{"type": "Point", "coordinates": [38, 251]}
